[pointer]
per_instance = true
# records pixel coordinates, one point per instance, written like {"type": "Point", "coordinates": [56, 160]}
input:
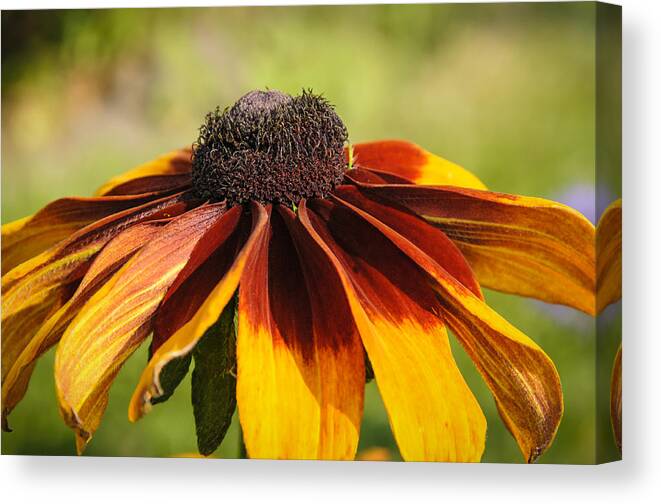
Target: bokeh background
{"type": "Point", "coordinates": [506, 90]}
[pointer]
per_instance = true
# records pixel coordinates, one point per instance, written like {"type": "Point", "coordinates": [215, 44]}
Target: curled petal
{"type": "Point", "coordinates": [515, 244]}
{"type": "Point", "coordinates": [432, 412]}
{"type": "Point", "coordinates": [300, 362]}
{"type": "Point", "coordinates": [410, 162]}
{"type": "Point", "coordinates": [117, 318]}
{"type": "Point", "coordinates": [186, 336]}
{"type": "Point", "coordinates": [177, 162]}
{"type": "Point", "coordinates": [522, 378]}
{"type": "Point", "coordinates": [609, 256]}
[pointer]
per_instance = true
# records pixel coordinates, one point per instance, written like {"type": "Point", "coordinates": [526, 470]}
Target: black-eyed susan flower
{"type": "Point", "coordinates": [344, 259]}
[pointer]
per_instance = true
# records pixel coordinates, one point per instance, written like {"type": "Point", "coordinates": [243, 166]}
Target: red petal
{"type": "Point", "coordinates": [428, 238]}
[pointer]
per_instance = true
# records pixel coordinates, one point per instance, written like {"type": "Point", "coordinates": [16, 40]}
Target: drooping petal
{"type": "Point", "coordinates": [177, 162]}
{"type": "Point", "coordinates": [117, 318]}
{"type": "Point", "coordinates": [28, 237]}
{"type": "Point", "coordinates": [112, 256]}
{"type": "Point", "coordinates": [432, 412]}
{"type": "Point", "coordinates": [616, 399]}
{"type": "Point", "coordinates": [300, 362]}
{"type": "Point", "coordinates": [185, 337]}
{"type": "Point", "coordinates": [38, 287]}
{"type": "Point", "coordinates": [609, 256]}
{"type": "Point", "coordinates": [522, 378]}
{"type": "Point", "coordinates": [515, 244]}
{"type": "Point", "coordinates": [411, 162]}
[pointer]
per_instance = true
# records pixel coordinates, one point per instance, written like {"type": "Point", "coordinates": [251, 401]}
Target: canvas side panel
{"type": "Point", "coordinates": [608, 193]}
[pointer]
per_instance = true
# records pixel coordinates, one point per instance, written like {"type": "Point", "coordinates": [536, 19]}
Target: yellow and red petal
{"type": "Point", "coordinates": [609, 256]}
{"type": "Point", "coordinates": [522, 378]}
{"type": "Point", "coordinates": [38, 287]}
{"type": "Point", "coordinates": [616, 399]}
{"type": "Point", "coordinates": [175, 163]}
{"type": "Point", "coordinates": [300, 363]}
{"type": "Point", "coordinates": [112, 256]}
{"type": "Point", "coordinates": [339, 351]}
{"type": "Point", "coordinates": [515, 244]}
{"type": "Point", "coordinates": [28, 237]}
{"type": "Point", "coordinates": [411, 162]}
{"type": "Point", "coordinates": [117, 318]}
{"type": "Point", "coordinates": [207, 265]}
{"type": "Point", "coordinates": [432, 412]}
{"type": "Point", "coordinates": [186, 336]}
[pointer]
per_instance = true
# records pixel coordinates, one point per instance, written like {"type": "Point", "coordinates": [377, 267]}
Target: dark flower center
{"type": "Point", "coordinates": [270, 147]}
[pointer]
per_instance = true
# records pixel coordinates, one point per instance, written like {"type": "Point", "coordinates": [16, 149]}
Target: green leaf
{"type": "Point", "coordinates": [171, 376]}
{"type": "Point", "coordinates": [369, 371]}
{"type": "Point", "coordinates": [214, 381]}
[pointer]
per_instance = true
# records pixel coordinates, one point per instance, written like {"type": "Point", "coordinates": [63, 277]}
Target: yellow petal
{"type": "Point", "coordinates": [515, 244]}
{"type": "Point", "coordinates": [432, 412]}
{"type": "Point", "coordinates": [609, 256]}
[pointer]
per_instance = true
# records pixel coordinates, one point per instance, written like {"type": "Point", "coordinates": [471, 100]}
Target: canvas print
{"type": "Point", "coordinates": [379, 232]}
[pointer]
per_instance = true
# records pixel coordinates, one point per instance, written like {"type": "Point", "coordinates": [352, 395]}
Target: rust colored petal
{"type": "Point", "coordinates": [177, 162]}
{"type": "Point", "coordinates": [38, 287]}
{"type": "Point", "coordinates": [207, 265]}
{"type": "Point", "coordinates": [153, 183]}
{"type": "Point", "coordinates": [117, 318]}
{"type": "Point", "coordinates": [28, 237]}
{"type": "Point", "coordinates": [109, 260]}
{"type": "Point", "coordinates": [515, 244]}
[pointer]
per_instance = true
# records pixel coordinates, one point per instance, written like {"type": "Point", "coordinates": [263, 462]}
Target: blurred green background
{"type": "Point", "coordinates": [506, 90]}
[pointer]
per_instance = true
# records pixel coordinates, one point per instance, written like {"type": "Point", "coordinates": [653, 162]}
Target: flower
{"type": "Point", "coordinates": [345, 258]}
